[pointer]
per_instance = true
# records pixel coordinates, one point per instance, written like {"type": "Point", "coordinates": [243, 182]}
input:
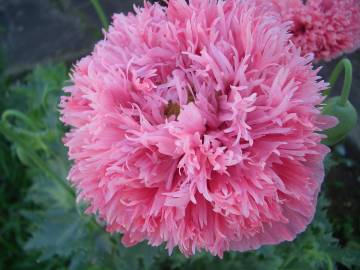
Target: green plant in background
{"type": "Point", "coordinates": [15, 180]}
{"type": "Point", "coordinates": [55, 233]}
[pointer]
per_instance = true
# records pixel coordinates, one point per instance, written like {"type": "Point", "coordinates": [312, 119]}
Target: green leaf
{"type": "Point", "coordinates": [58, 234]}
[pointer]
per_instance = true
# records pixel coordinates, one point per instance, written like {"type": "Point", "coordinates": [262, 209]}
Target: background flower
{"type": "Point", "coordinates": [327, 28]}
{"type": "Point", "coordinates": [197, 125]}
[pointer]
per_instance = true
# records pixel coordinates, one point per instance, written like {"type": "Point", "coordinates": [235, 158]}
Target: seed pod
{"type": "Point", "coordinates": [346, 115]}
{"type": "Point", "coordinates": [340, 106]}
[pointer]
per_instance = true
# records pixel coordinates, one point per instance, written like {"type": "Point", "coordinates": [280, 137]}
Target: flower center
{"type": "Point", "coordinates": [172, 108]}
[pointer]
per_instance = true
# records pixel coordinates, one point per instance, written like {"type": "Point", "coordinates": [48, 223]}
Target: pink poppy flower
{"type": "Point", "coordinates": [327, 28]}
{"type": "Point", "coordinates": [197, 125]}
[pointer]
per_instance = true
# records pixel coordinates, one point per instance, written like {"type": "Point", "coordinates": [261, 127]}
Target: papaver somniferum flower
{"type": "Point", "coordinates": [197, 125]}
{"type": "Point", "coordinates": [327, 28]}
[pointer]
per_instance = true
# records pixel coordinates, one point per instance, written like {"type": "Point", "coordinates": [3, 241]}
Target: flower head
{"type": "Point", "coordinates": [197, 125]}
{"type": "Point", "coordinates": [327, 28]}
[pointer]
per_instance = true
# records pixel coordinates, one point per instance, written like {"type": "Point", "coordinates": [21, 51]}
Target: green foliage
{"type": "Point", "coordinates": [56, 234]}
{"type": "Point", "coordinates": [60, 229]}
{"type": "Point", "coordinates": [15, 179]}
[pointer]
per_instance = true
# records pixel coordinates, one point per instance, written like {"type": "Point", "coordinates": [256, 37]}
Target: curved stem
{"type": "Point", "coordinates": [100, 12]}
{"type": "Point", "coordinates": [345, 65]}
{"type": "Point", "coordinates": [19, 115]}
{"type": "Point", "coordinates": [30, 123]}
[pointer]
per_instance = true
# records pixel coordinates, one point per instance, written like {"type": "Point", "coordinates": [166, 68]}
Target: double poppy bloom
{"type": "Point", "coordinates": [197, 125]}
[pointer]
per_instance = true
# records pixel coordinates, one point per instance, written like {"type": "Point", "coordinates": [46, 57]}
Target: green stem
{"type": "Point", "coordinates": [345, 65]}
{"type": "Point", "coordinates": [100, 12]}
{"type": "Point", "coordinates": [19, 115]}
